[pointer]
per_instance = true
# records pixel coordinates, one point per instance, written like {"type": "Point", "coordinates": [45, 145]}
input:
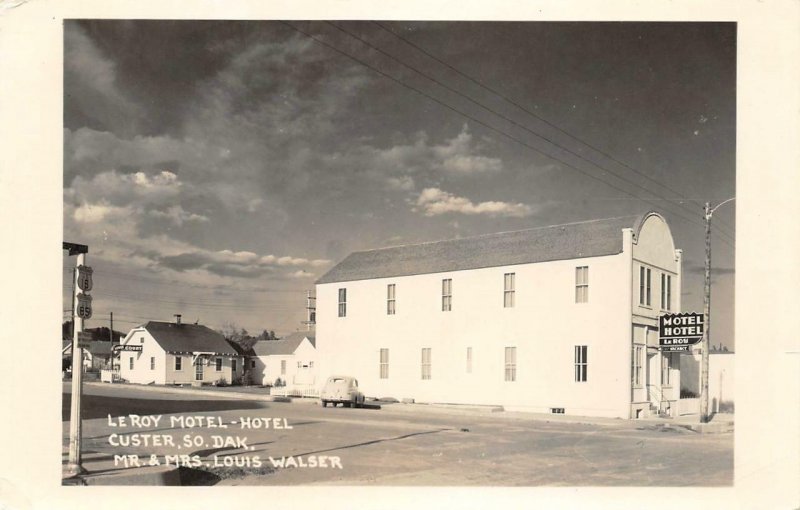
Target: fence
{"type": "Point", "coordinates": [688, 406]}
{"type": "Point", "coordinates": [293, 391]}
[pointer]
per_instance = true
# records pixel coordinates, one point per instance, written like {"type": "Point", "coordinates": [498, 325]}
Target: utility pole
{"type": "Point", "coordinates": [80, 310]}
{"type": "Point", "coordinates": [706, 342]}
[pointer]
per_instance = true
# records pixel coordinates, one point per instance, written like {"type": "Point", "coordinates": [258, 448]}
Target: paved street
{"type": "Point", "coordinates": [395, 446]}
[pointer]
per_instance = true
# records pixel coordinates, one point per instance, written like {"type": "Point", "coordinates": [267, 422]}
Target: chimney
{"type": "Point", "coordinates": [177, 319]}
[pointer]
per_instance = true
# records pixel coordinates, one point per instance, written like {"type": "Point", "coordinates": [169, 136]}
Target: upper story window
{"type": "Point", "coordinates": [447, 295]}
{"type": "Point", "coordinates": [644, 286]}
{"type": "Point", "coordinates": [582, 284]}
{"type": "Point", "coordinates": [666, 291]}
{"type": "Point", "coordinates": [390, 299]}
{"type": "Point", "coordinates": [342, 302]}
{"type": "Point", "coordinates": [508, 290]}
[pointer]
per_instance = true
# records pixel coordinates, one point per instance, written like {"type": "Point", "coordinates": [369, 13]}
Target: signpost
{"type": "Point", "coordinates": [84, 338]}
{"type": "Point", "coordinates": [82, 309]}
{"type": "Point", "coordinates": [678, 332]}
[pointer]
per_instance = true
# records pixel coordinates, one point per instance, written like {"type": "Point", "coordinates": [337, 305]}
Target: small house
{"type": "Point", "coordinates": [177, 353]}
{"type": "Point", "coordinates": [292, 360]}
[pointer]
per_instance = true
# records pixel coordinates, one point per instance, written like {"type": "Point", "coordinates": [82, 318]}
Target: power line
{"type": "Point", "coordinates": [532, 114]}
{"type": "Point", "coordinates": [486, 125]}
{"type": "Point", "coordinates": [512, 121]}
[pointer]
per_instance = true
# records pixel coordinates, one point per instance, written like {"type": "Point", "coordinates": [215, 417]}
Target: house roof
{"type": "Point", "coordinates": [241, 351]}
{"type": "Point", "coordinates": [96, 347]}
{"type": "Point", "coordinates": [285, 346]}
{"type": "Point", "coordinates": [557, 242]}
{"type": "Point", "coordinates": [188, 338]}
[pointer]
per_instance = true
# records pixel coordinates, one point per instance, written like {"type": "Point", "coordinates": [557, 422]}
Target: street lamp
{"type": "Point", "coordinates": [707, 312]}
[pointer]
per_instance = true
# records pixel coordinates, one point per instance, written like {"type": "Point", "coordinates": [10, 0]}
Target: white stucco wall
{"type": "Point", "coordinates": [545, 325]}
{"type": "Point", "coordinates": [142, 373]}
{"type": "Point", "coordinates": [268, 368]}
{"type": "Point", "coordinates": [654, 250]}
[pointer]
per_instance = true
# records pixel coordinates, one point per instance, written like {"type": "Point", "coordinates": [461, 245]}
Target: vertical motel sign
{"type": "Point", "coordinates": [677, 332]}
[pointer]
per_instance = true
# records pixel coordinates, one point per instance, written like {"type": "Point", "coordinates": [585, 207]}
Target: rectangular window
{"type": "Point", "coordinates": [666, 292]}
{"type": "Point", "coordinates": [342, 302]}
{"type": "Point", "coordinates": [152, 363]}
{"type": "Point", "coordinates": [283, 367]}
{"type": "Point", "coordinates": [511, 364]}
{"type": "Point", "coordinates": [253, 364]}
{"type": "Point", "coordinates": [447, 295]}
{"type": "Point", "coordinates": [219, 365]}
{"type": "Point", "coordinates": [644, 286]}
{"type": "Point", "coordinates": [178, 362]}
{"type": "Point", "coordinates": [582, 284]}
{"type": "Point", "coordinates": [198, 369]}
{"type": "Point", "coordinates": [636, 365]}
{"type": "Point", "coordinates": [666, 362]}
{"type": "Point", "coordinates": [233, 365]}
{"type": "Point", "coordinates": [469, 360]}
{"type": "Point", "coordinates": [130, 362]}
{"type": "Point", "coordinates": [390, 299]}
{"type": "Point", "coordinates": [581, 363]}
{"type": "Point", "coordinates": [508, 290]}
{"type": "Point", "coordinates": [384, 363]}
{"type": "Point", "coordinates": [141, 340]}
{"type": "Point", "coordinates": [426, 363]}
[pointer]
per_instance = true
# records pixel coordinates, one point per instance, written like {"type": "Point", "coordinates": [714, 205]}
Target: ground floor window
{"type": "Point", "coordinates": [511, 364]}
{"type": "Point", "coordinates": [130, 362]}
{"type": "Point", "coordinates": [581, 363]}
{"type": "Point", "coordinates": [219, 364]}
{"type": "Point", "coordinates": [198, 370]}
{"type": "Point", "coordinates": [384, 363]}
{"type": "Point", "coordinates": [233, 365]}
{"type": "Point", "coordinates": [636, 365]}
{"type": "Point", "coordinates": [152, 363]}
{"type": "Point", "coordinates": [666, 364]}
{"type": "Point", "coordinates": [426, 363]}
{"type": "Point", "coordinates": [469, 360]}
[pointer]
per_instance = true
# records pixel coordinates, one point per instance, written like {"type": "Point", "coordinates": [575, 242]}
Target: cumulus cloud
{"type": "Point", "coordinates": [230, 263]}
{"type": "Point", "coordinates": [434, 202]}
{"type": "Point", "coordinates": [177, 216]}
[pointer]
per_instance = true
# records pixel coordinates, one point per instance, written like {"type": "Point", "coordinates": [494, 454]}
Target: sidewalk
{"type": "Point", "coordinates": [719, 423]}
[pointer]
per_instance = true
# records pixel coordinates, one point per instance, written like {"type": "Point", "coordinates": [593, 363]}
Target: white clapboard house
{"type": "Point", "coordinates": [558, 319]}
{"type": "Point", "coordinates": [292, 359]}
{"type": "Point", "coordinates": [178, 353]}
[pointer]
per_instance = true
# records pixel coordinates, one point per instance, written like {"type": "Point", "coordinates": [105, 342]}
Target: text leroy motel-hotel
{"type": "Point", "coordinates": [560, 319]}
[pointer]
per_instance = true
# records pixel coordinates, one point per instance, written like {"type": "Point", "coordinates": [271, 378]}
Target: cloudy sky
{"type": "Point", "coordinates": [216, 169]}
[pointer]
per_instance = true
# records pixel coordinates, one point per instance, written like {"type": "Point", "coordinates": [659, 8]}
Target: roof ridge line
{"type": "Point", "coordinates": [479, 236]}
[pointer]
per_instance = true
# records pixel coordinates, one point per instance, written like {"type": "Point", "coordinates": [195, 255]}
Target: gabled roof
{"type": "Point", "coordinates": [188, 338]}
{"type": "Point", "coordinates": [558, 242]}
{"type": "Point", "coordinates": [96, 347]}
{"type": "Point", "coordinates": [241, 351]}
{"type": "Point", "coordinates": [285, 346]}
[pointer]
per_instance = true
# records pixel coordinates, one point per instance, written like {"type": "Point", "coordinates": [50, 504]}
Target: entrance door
{"type": "Point", "coordinates": [198, 370]}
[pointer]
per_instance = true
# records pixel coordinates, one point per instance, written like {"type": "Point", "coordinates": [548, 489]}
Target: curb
{"type": "Point", "coordinates": [211, 393]}
{"type": "Point", "coordinates": [155, 476]}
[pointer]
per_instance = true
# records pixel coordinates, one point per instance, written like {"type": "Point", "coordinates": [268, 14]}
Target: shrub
{"type": "Point", "coordinates": [221, 382]}
{"type": "Point", "coordinates": [279, 383]}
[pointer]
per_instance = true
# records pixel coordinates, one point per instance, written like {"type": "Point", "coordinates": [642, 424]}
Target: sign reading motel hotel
{"type": "Point", "coordinates": [676, 332]}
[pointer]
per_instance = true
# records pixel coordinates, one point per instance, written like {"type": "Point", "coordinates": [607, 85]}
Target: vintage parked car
{"type": "Point", "coordinates": [341, 389]}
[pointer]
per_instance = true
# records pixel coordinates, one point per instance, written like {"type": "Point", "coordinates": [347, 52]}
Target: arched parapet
{"type": "Point", "coordinates": [653, 242]}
